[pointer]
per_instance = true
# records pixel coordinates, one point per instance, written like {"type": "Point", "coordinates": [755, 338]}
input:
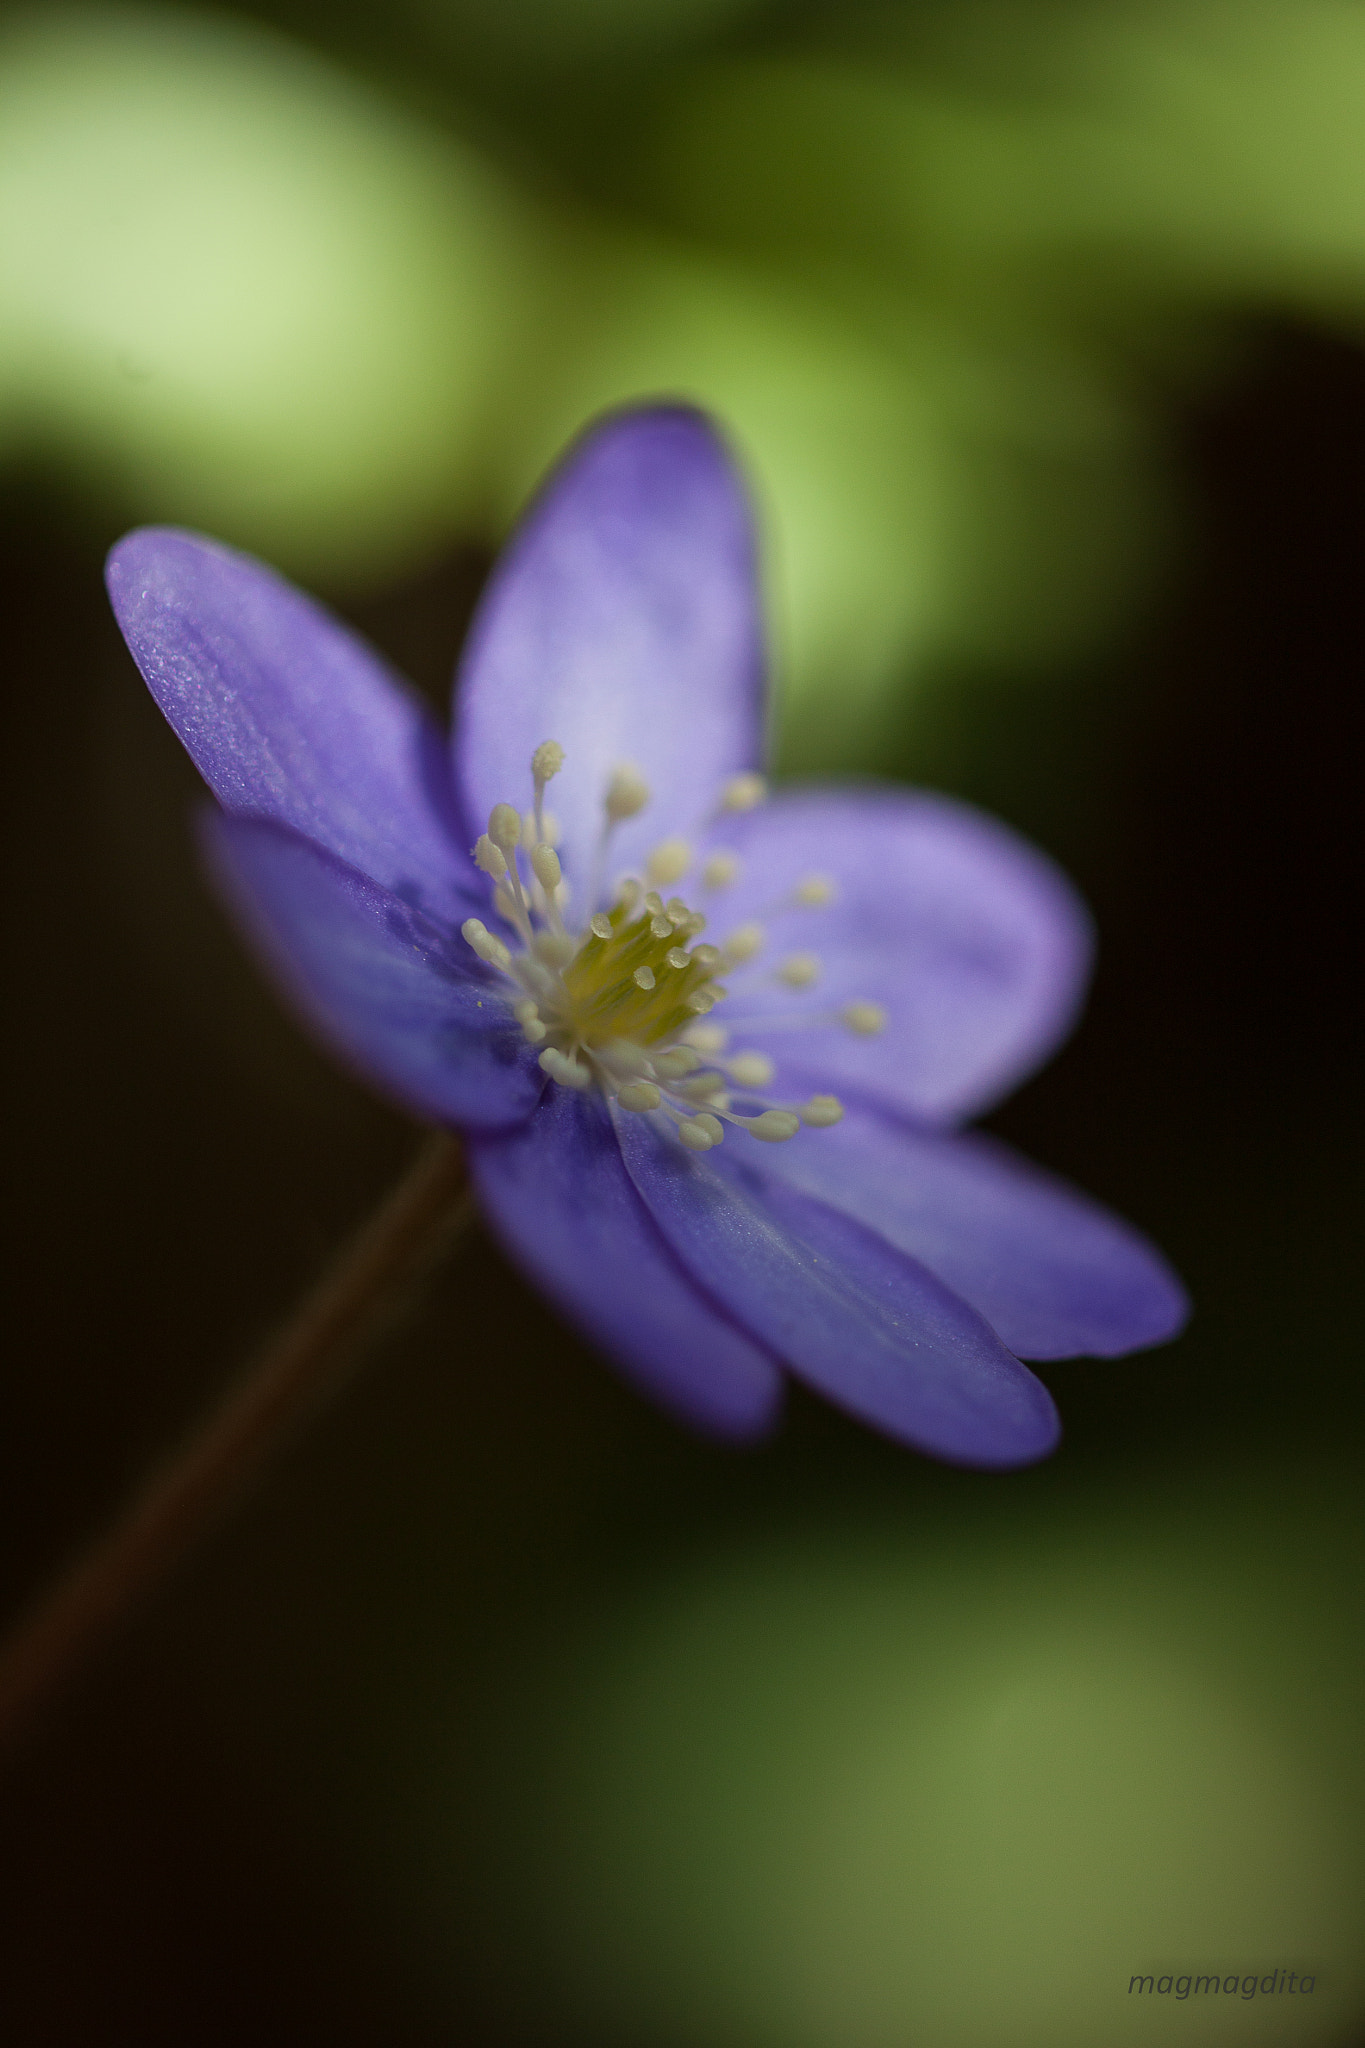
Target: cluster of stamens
{"type": "Point", "coordinates": [623, 1002]}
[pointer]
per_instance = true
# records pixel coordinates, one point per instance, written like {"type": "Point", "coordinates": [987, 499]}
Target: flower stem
{"type": "Point", "coordinates": [304, 1363]}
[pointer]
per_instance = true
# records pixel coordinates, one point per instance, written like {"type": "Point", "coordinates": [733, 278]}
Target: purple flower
{"type": "Point", "coordinates": [877, 966]}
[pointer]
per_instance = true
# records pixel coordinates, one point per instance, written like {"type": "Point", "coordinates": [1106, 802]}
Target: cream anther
{"type": "Point", "coordinates": [623, 1058]}
{"type": "Point", "coordinates": [742, 792]}
{"type": "Point", "coordinates": [720, 870]}
{"type": "Point", "coordinates": [654, 903]}
{"type": "Point", "coordinates": [865, 1019]}
{"type": "Point", "coordinates": [529, 1018]}
{"type": "Point", "coordinates": [821, 1111]}
{"type": "Point", "coordinates": [556, 949]}
{"type": "Point", "coordinates": [677, 1062]}
{"type": "Point", "coordinates": [676, 956]}
{"type": "Point", "coordinates": [504, 827]}
{"type": "Point", "coordinates": [701, 1002]}
{"type": "Point", "coordinates": [546, 761]}
{"type": "Point", "coordinates": [712, 1125]}
{"type": "Point", "coordinates": [813, 890]}
{"type": "Point", "coordinates": [545, 866]}
{"type": "Point", "coordinates": [661, 927]}
{"type": "Point", "coordinates": [669, 862]}
{"type": "Point", "coordinates": [564, 1070]}
{"type": "Point", "coordinates": [695, 1136]}
{"type": "Point", "coordinates": [491, 859]}
{"type": "Point", "coordinates": [707, 958]}
{"type": "Point", "coordinates": [643, 977]}
{"type": "Point", "coordinates": [774, 1126]}
{"type": "Point", "coordinates": [799, 970]}
{"type": "Point", "coordinates": [676, 910]}
{"type": "Point", "coordinates": [476, 934]}
{"type": "Point", "coordinates": [627, 793]}
{"type": "Point", "coordinates": [638, 1095]}
{"type": "Point", "coordinates": [708, 1038]}
{"type": "Point", "coordinates": [744, 943]}
{"type": "Point", "coordinates": [600, 926]}
{"type": "Point", "coordinates": [751, 1069]}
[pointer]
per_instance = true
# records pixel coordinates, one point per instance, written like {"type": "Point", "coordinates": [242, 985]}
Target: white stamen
{"type": "Point", "coordinates": [528, 1016]}
{"type": "Point", "coordinates": [774, 1126]}
{"type": "Point", "coordinates": [743, 792]}
{"type": "Point", "coordinates": [712, 1125]}
{"type": "Point", "coordinates": [865, 1019]}
{"type": "Point", "coordinates": [677, 1062]}
{"type": "Point", "coordinates": [639, 1096]}
{"type": "Point", "coordinates": [476, 934]}
{"type": "Point", "coordinates": [661, 927]}
{"type": "Point", "coordinates": [643, 977]}
{"type": "Point", "coordinates": [821, 1111]}
{"type": "Point", "coordinates": [677, 956]}
{"type": "Point", "coordinates": [556, 949]}
{"type": "Point", "coordinates": [564, 1070]}
{"type": "Point", "coordinates": [707, 958]}
{"type": "Point", "coordinates": [504, 828]}
{"type": "Point", "coordinates": [600, 925]}
{"type": "Point", "coordinates": [547, 761]}
{"type": "Point", "coordinates": [540, 828]}
{"type": "Point", "coordinates": [627, 793]}
{"type": "Point", "coordinates": [744, 943]}
{"type": "Point", "coordinates": [708, 1038]}
{"type": "Point", "coordinates": [669, 862]}
{"type": "Point", "coordinates": [720, 870]}
{"type": "Point", "coordinates": [491, 859]}
{"type": "Point", "coordinates": [751, 1069]}
{"type": "Point", "coordinates": [699, 1003]}
{"type": "Point", "coordinates": [799, 970]}
{"type": "Point", "coordinates": [695, 1135]}
{"type": "Point", "coordinates": [677, 911]}
{"type": "Point", "coordinates": [545, 866]}
{"type": "Point", "coordinates": [623, 1057]}
{"type": "Point", "coordinates": [814, 889]}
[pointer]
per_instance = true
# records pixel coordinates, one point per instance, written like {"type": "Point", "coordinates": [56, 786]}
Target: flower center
{"type": "Point", "coordinates": [620, 1004]}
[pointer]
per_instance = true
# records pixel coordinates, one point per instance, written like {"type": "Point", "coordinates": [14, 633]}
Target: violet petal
{"type": "Point", "coordinates": [287, 715]}
{"type": "Point", "coordinates": [871, 1328]}
{"type": "Point", "coordinates": [1053, 1273]}
{"type": "Point", "coordinates": [559, 1197]}
{"type": "Point", "coordinates": [379, 984]}
{"type": "Point", "coordinates": [622, 621]}
{"type": "Point", "coordinates": [974, 944]}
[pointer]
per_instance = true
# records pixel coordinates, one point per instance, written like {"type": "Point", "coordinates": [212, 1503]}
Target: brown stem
{"type": "Point", "coordinates": [182, 1500]}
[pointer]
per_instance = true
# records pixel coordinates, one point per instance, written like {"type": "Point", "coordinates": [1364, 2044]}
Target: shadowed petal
{"type": "Point", "coordinates": [1053, 1273]}
{"type": "Point", "coordinates": [287, 715]}
{"type": "Point", "coordinates": [869, 1327]}
{"type": "Point", "coordinates": [975, 945]}
{"type": "Point", "coordinates": [560, 1198]}
{"type": "Point", "coordinates": [622, 621]}
{"type": "Point", "coordinates": [377, 983]}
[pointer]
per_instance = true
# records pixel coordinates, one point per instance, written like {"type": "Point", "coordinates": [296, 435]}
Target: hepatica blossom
{"type": "Point", "coordinates": [711, 1046]}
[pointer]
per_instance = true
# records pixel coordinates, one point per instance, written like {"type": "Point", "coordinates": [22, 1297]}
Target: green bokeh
{"type": "Point", "coordinates": [959, 1783]}
{"type": "Point", "coordinates": [237, 290]}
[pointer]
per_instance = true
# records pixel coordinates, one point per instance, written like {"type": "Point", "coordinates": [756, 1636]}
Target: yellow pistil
{"type": "Point", "coordinates": [607, 996]}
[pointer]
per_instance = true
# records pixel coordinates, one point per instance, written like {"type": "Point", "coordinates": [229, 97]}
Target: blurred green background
{"type": "Point", "coordinates": [506, 1712]}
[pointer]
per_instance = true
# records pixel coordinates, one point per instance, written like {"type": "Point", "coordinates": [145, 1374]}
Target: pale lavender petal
{"type": "Point", "coordinates": [1053, 1273]}
{"type": "Point", "coordinates": [622, 621]}
{"type": "Point", "coordinates": [868, 1326]}
{"type": "Point", "coordinates": [287, 715]}
{"type": "Point", "coordinates": [974, 944]}
{"type": "Point", "coordinates": [559, 1197]}
{"type": "Point", "coordinates": [379, 984]}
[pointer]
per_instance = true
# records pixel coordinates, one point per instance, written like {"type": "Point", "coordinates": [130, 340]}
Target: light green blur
{"type": "Point", "coordinates": [939, 270]}
{"type": "Point", "coordinates": [861, 1788]}
{"type": "Point", "coordinates": [236, 290]}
